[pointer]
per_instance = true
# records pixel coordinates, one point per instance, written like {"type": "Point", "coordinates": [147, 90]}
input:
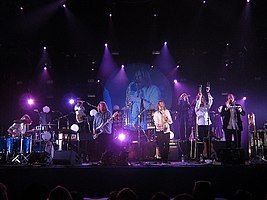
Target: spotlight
{"type": "Point", "coordinates": [155, 15]}
{"type": "Point", "coordinates": [64, 5]}
{"type": "Point", "coordinates": [98, 81]}
{"type": "Point", "coordinates": [152, 66]}
{"type": "Point", "coordinates": [227, 44]}
{"type": "Point", "coordinates": [248, 1]}
{"type": "Point", "coordinates": [171, 135]}
{"type": "Point", "coordinates": [45, 68]}
{"type": "Point", "coordinates": [177, 66]}
{"type": "Point", "coordinates": [175, 81]}
{"type": "Point", "coordinates": [165, 43]}
{"type": "Point", "coordinates": [71, 101]}
{"type": "Point", "coordinates": [106, 45]}
{"type": "Point", "coordinates": [121, 137]}
{"type": "Point", "coordinates": [204, 2]}
{"type": "Point", "coordinates": [122, 66]}
{"type": "Point", "coordinates": [21, 8]}
{"type": "Point", "coordinates": [30, 101]}
{"type": "Point", "coordinates": [244, 98]}
{"type": "Point", "coordinates": [44, 47]}
{"type": "Point", "coordinates": [110, 15]}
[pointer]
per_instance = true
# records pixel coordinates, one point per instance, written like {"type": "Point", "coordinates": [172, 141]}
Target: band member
{"type": "Point", "coordinates": [203, 121]}
{"type": "Point", "coordinates": [183, 116]}
{"type": "Point", "coordinates": [232, 123]}
{"type": "Point", "coordinates": [20, 126]}
{"type": "Point", "coordinates": [84, 129]}
{"type": "Point", "coordinates": [102, 128]}
{"type": "Point", "coordinates": [163, 119]}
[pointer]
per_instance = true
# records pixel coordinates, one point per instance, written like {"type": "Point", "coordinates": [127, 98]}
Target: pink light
{"type": "Point", "coordinates": [45, 68]}
{"type": "Point", "coordinates": [122, 137]}
{"type": "Point", "coordinates": [244, 98]}
{"type": "Point", "coordinates": [30, 101]}
{"type": "Point", "coordinates": [71, 101]}
{"type": "Point", "coordinates": [122, 66]}
{"type": "Point", "coordinates": [64, 5]}
{"type": "Point", "coordinates": [204, 2]}
{"type": "Point", "coordinates": [175, 81]}
{"type": "Point", "coordinates": [106, 45]}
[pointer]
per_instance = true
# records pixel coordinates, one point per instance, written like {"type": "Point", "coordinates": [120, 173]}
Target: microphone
{"type": "Point", "coordinates": [200, 88]}
{"type": "Point", "coordinates": [208, 87]}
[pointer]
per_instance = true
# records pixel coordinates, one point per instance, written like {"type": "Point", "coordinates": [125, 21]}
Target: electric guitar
{"type": "Point", "coordinates": [99, 129]}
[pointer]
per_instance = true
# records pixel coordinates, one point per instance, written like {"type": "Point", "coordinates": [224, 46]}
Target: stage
{"type": "Point", "coordinates": [145, 178]}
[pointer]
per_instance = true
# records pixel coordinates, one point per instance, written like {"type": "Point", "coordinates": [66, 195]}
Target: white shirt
{"type": "Point", "coordinates": [202, 112]}
{"type": "Point", "coordinates": [163, 120]}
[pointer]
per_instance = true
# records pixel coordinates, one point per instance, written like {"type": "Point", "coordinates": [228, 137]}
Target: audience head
{"type": "Point", "coordinates": [203, 190]}
{"type": "Point", "coordinates": [3, 192]}
{"type": "Point", "coordinates": [183, 196]}
{"type": "Point", "coordinates": [126, 194]}
{"type": "Point", "coordinates": [60, 193]}
{"type": "Point", "coordinates": [160, 196]}
{"type": "Point", "coordinates": [242, 195]}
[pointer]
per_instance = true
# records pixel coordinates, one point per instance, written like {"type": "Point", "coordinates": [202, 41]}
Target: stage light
{"type": "Point", "coordinates": [177, 66]}
{"type": "Point", "coordinates": [45, 68]}
{"type": "Point", "coordinates": [93, 69]}
{"type": "Point", "coordinates": [155, 15]}
{"type": "Point", "coordinates": [121, 137]}
{"type": "Point", "coordinates": [44, 47]}
{"type": "Point", "coordinates": [71, 101]}
{"type": "Point", "coordinates": [227, 44]}
{"type": "Point", "coordinates": [110, 15]}
{"type": "Point", "coordinates": [244, 98]}
{"type": "Point", "coordinates": [204, 2]}
{"type": "Point", "coordinates": [98, 81]}
{"type": "Point", "coordinates": [93, 112]}
{"type": "Point", "coordinates": [30, 101]}
{"type": "Point", "coordinates": [74, 127]}
{"type": "Point", "coordinates": [106, 45]}
{"type": "Point", "coordinates": [165, 43]}
{"type": "Point", "coordinates": [64, 5]}
{"type": "Point", "coordinates": [175, 81]}
{"type": "Point", "coordinates": [152, 66]}
{"type": "Point", "coordinates": [21, 8]}
{"type": "Point", "coordinates": [122, 66]}
{"type": "Point", "coordinates": [248, 1]}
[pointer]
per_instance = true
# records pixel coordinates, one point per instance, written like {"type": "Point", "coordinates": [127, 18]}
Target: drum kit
{"type": "Point", "coordinates": [20, 148]}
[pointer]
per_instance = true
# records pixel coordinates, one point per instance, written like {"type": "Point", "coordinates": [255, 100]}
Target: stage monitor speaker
{"type": "Point", "coordinates": [66, 158]}
{"type": "Point", "coordinates": [232, 156]}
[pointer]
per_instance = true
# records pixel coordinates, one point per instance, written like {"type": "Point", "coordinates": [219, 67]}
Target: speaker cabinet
{"type": "Point", "coordinates": [232, 156]}
{"type": "Point", "coordinates": [66, 158]}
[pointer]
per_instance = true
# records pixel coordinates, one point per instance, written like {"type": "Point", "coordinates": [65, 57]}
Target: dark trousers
{"type": "Point", "coordinates": [228, 137]}
{"type": "Point", "coordinates": [204, 134]}
{"type": "Point", "coordinates": [163, 141]}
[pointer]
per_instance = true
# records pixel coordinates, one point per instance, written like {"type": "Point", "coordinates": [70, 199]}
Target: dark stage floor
{"type": "Point", "coordinates": [145, 178]}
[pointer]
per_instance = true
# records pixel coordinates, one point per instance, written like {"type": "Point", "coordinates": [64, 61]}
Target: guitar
{"type": "Point", "coordinates": [99, 129]}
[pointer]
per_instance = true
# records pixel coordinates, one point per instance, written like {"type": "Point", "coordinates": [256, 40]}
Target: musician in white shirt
{"type": "Point", "coordinates": [163, 119]}
{"type": "Point", "coordinates": [203, 120]}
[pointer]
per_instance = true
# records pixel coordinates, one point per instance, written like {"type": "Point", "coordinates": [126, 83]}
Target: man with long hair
{"type": "Point", "coordinates": [102, 129]}
{"type": "Point", "coordinates": [163, 119]}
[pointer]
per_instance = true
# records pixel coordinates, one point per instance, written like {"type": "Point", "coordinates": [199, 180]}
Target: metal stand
{"type": "Point", "coordinates": [20, 157]}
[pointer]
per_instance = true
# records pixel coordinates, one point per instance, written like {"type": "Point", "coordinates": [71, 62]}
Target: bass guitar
{"type": "Point", "coordinates": [99, 129]}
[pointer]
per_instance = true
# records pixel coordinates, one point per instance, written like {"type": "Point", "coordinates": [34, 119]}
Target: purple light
{"type": "Point", "coordinates": [248, 1]}
{"type": "Point", "coordinates": [122, 66]}
{"type": "Point", "coordinates": [71, 101]}
{"type": "Point", "coordinates": [165, 43]}
{"type": "Point", "coordinates": [175, 81]}
{"type": "Point", "coordinates": [152, 66]}
{"type": "Point", "coordinates": [30, 101]}
{"type": "Point", "coordinates": [204, 2]}
{"type": "Point", "coordinates": [106, 45]}
{"type": "Point", "coordinates": [64, 5]}
{"type": "Point", "coordinates": [177, 66]}
{"type": "Point", "coordinates": [121, 137]}
{"type": "Point", "coordinates": [45, 68]}
{"type": "Point", "coordinates": [44, 47]}
{"type": "Point", "coordinates": [244, 98]}
{"type": "Point", "coordinates": [98, 81]}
